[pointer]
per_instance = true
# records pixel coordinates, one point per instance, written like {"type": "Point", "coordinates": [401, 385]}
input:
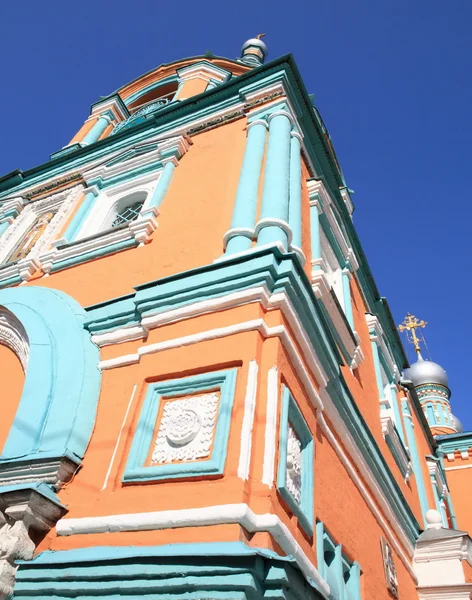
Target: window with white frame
{"type": "Point", "coordinates": [125, 210]}
{"type": "Point", "coordinates": [112, 211]}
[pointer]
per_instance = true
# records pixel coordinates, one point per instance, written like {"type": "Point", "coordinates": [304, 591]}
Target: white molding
{"type": "Point", "coordinates": [14, 336]}
{"type": "Point", "coordinates": [356, 464]}
{"type": "Point", "coordinates": [259, 294]}
{"type": "Point", "coordinates": [270, 438]}
{"type": "Point", "coordinates": [223, 514]}
{"type": "Point", "coordinates": [140, 230]}
{"type": "Point", "coordinates": [317, 187]}
{"type": "Point", "coordinates": [461, 591]}
{"type": "Point", "coordinates": [63, 202]}
{"type": "Point", "coordinates": [300, 360]}
{"type": "Point", "coordinates": [115, 450]}
{"type": "Point", "coordinates": [248, 421]}
{"type": "Point", "coordinates": [457, 468]}
{"type": "Point", "coordinates": [322, 291]}
{"type": "Point", "coordinates": [203, 70]}
{"type": "Point", "coordinates": [373, 323]}
{"type": "Point", "coordinates": [387, 421]}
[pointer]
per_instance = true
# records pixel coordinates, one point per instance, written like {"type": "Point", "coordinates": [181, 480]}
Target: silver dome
{"type": "Point", "coordinates": [457, 424]}
{"type": "Point", "coordinates": [426, 371]}
{"type": "Point", "coordinates": [254, 42]}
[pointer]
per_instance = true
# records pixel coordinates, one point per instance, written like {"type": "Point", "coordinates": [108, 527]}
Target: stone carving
{"type": "Point", "coordinates": [13, 336]}
{"type": "Point", "coordinates": [293, 474]}
{"type": "Point", "coordinates": [186, 429]}
{"type": "Point", "coordinates": [23, 513]}
{"type": "Point", "coordinates": [61, 204]}
{"type": "Point", "coordinates": [389, 568]}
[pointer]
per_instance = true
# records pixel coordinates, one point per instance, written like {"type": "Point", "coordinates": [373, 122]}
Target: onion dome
{"type": "Point", "coordinates": [254, 51]}
{"type": "Point", "coordinates": [426, 371]}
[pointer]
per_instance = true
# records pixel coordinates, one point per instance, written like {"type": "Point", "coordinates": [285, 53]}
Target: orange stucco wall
{"type": "Point", "coordinates": [194, 216]}
{"type": "Point", "coordinates": [460, 485]}
{"type": "Point", "coordinates": [12, 377]}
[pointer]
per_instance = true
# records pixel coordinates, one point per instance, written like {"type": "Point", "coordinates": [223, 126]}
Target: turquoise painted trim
{"type": "Point", "coordinates": [245, 207]}
{"type": "Point", "coordinates": [98, 128]}
{"type": "Point", "coordinates": [275, 195]}
{"type": "Point", "coordinates": [452, 442]}
{"type": "Point", "coordinates": [80, 217]}
{"type": "Point", "coordinates": [127, 175]}
{"type": "Point", "coordinates": [163, 184]}
{"type": "Point", "coordinates": [229, 94]}
{"type": "Point", "coordinates": [10, 281]}
{"type": "Point", "coordinates": [86, 256]}
{"type": "Point", "coordinates": [295, 204]}
{"type": "Point", "coordinates": [415, 459]}
{"type": "Point", "coordinates": [334, 571]}
{"type": "Point", "coordinates": [3, 227]}
{"type": "Point", "coordinates": [321, 566]}
{"type": "Point", "coordinates": [377, 367]}
{"type": "Point", "coordinates": [452, 514]}
{"type": "Point", "coordinates": [110, 553]}
{"type": "Point", "coordinates": [396, 411]}
{"type": "Point", "coordinates": [393, 449]}
{"type": "Point", "coordinates": [291, 414]}
{"type": "Point", "coordinates": [228, 571]}
{"type": "Point", "coordinates": [57, 409]}
{"type": "Point", "coordinates": [280, 272]}
{"type": "Point", "coordinates": [353, 585]}
{"type": "Point", "coordinates": [315, 233]}
{"type": "Point", "coordinates": [136, 469]}
{"type": "Point", "coordinates": [347, 299]}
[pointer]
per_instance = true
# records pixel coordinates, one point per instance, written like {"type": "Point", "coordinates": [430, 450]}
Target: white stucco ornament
{"type": "Point", "coordinates": [183, 427]}
{"type": "Point", "coordinates": [293, 474]}
{"type": "Point", "coordinates": [186, 429]}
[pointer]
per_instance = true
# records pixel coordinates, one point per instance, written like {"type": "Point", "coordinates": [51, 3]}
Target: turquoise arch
{"type": "Point", "coordinates": [56, 413]}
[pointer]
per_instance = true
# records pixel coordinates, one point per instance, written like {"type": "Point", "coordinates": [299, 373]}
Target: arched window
{"type": "Point", "coordinates": [125, 210]}
{"type": "Point", "coordinates": [26, 244]}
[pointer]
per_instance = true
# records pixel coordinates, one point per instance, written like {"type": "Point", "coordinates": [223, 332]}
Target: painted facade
{"type": "Point", "coordinates": [205, 395]}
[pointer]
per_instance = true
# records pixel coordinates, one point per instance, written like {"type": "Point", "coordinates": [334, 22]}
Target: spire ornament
{"type": "Point", "coordinates": [410, 324]}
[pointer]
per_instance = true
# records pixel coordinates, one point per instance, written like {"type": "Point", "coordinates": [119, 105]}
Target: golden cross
{"type": "Point", "coordinates": [410, 324]}
{"type": "Point", "coordinates": [259, 36]}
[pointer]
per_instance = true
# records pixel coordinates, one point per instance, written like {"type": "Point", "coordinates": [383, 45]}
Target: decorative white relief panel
{"type": "Point", "coordinates": [294, 465]}
{"type": "Point", "coordinates": [186, 429]}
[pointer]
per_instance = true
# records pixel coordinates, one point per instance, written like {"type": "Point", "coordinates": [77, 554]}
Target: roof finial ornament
{"type": "Point", "coordinates": [254, 51]}
{"type": "Point", "coordinates": [410, 324]}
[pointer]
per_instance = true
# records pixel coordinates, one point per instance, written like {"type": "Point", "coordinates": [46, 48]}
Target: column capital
{"type": "Point", "coordinates": [280, 113]}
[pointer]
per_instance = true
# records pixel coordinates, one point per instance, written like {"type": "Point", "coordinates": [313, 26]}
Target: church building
{"type": "Point", "coordinates": [204, 395]}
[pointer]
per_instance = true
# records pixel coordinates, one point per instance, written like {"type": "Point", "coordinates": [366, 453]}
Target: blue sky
{"type": "Point", "coordinates": [392, 82]}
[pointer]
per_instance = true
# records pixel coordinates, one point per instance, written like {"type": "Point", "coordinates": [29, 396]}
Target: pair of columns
{"type": "Point", "coordinates": [280, 217]}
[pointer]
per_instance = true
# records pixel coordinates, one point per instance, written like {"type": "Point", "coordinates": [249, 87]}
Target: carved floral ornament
{"type": "Point", "coordinates": [186, 429]}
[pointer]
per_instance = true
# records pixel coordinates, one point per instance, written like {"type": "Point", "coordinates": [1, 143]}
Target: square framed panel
{"type": "Point", "coordinates": [183, 428]}
{"type": "Point", "coordinates": [295, 474]}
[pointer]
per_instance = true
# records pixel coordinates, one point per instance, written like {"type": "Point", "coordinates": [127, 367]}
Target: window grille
{"type": "Point", "coordinates": [128, 214]}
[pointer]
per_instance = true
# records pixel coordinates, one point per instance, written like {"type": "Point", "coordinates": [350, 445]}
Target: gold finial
{"type": "Point", "coordinates": [410, 324]}
{"type": "Point", "coordinates": [260, 36]}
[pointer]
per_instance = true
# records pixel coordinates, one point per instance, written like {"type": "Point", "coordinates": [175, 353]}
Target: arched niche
{"type": "Point", "coordinates": [14, 353]}
{"type": "Point", "coordinates": [56, 412]}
